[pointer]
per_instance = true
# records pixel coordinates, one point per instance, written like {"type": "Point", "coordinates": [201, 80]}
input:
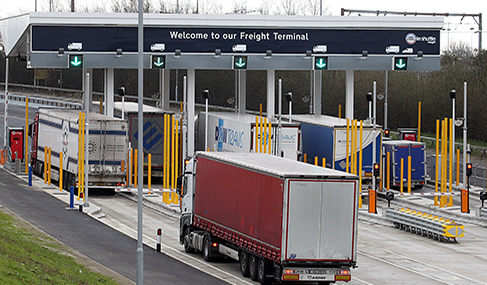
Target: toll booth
{"type": "Point", "coordinates": [15, 139]}
{"type": "Point", "coordinates": [408, 134]}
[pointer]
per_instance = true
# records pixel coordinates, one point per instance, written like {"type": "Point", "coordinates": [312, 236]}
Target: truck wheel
{"type": "Point", "coordinates": [207, 248]}
{"type": "Point", "coordinates": [187, 245]}
{"type": "Point", "coordinates": [244, 263]}
{"type": "Point", "coordinates": [263, 272]}
{"type": "Point", "coordinates": [253, 264]}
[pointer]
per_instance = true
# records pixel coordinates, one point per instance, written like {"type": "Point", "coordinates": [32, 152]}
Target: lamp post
{"type": "Point", "coordinates": [289, 99]}
{"type": "Point", "coordinates": [5, 123]}
{"type": "Point", "coordinates": [121, 92]}
{"type": "Point", "coordinates": [368, 96]}
{"type": "Point", "coordinates": [206, 95]}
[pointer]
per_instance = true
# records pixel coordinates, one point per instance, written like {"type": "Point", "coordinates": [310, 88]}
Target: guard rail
{"type": "Point", "coordinates": [425, 224]}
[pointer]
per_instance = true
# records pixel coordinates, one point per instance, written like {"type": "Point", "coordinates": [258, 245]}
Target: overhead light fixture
{"type": "Point", "coordinates": [119, 52]}
{"type": "Point", "coordinates": [420, 55]}
{"type": "Point", "coordinates": [158, 47]}
{"type": "Point", "coordinates": [365, 54]}
{"type": "Point", "coordinates": [308, 55]}
{"type": "Point", "coordinates": [268, 54]}
{"type": "Point", "coordinates": [60, 52]}
{"type": "Point", "coordinates": [75, 46]}
{"type": "Point", "coordinates": [177, 53]}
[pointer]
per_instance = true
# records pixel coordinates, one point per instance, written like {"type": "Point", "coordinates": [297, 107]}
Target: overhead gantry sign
{"type": "Point", "coordinates": [231, 42]}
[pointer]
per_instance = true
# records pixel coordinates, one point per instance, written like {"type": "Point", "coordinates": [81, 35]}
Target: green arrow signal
{"type": "Point", "coordinates": [76, 62]}
{"type": "Point", "coordinates": [240, 63]}
{"type": "Point", "coordinates": [159, 63]}
{"type": "Point", "coordinates": [400, 63]}
{"type": "Point", "coordinates": [321, 62]}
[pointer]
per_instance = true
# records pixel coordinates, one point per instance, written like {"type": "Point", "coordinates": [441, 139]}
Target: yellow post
{"type": "Point", "coordinates": [149, 173]}
{"type": "Point", "coordinates": [437, 158]}
{"type": "Point", "coordinates": [26, 135]}
{"type": "Point", "coordinates": [360, 158]}
{"type": "Point", "coordinates": [443, 162]}
{"type": "Point", "coordinates": [49, 168]}
{"type": "Point", "coordinates": [352, 149]}
{"type": "Point", "coordinates": [450, 202]}
{"type": "Point", "coordinates": [458, 167]}
{"type": "Point", "coordinates": [135, 167]}
{"type": "Point", "coordinates": [83, 118]}
{"type": "Point", "coordinates": [305, 158]}
{"type": "Point", "coordinates": [166, 136]}
{"type": "Point", "coordinates": [173, 156]}
{"type": "Point", "coordinates": [45, 164]}
{"type": "Point", "coordinates": [402, 175]}
{"type": "Point", "coordinates": [339, 110]}
{"type": "Point", "coordinates": [324, 162]}
{"type": "Point", "coordinates": [348, 146]}
{"type": "Point", "coordinates": [101, 105]}
{"type": "Point", "coordinates": [316, 160]}
{"type": "Point", "coordinates": [260, 110]}
{"type": "Point", "coordinates": [419, 121]}
{"type": "Point", "coordinates": [176, 151]}
{"type": "Point", "coordinates": [388, 174]}
{"type": "Point", "coordinates": [260, 133]}
{"type": "Point", "coordinates": [131, 166]}
{"type": "Point", "coordinates": [409, 174]}
{"type": "Point", "coordinates": [355, 166]}
{"type": "Point", "coordinates": [61, 171]}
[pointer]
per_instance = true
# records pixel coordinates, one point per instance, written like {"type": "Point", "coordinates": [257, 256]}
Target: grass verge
{"type": "Point", "coordinates": [28, 256]}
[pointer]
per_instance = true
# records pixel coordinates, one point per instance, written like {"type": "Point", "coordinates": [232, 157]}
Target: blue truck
{"type": "Point", "coordinates": [402, 149]}
{"type": "Point", "coordinates": [326, 137]}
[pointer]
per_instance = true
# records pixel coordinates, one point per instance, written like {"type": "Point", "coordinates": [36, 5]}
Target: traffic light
{"type": "Point", "coordinates": [469, 169]}
{"type": "Point", "coordinates": [75, 61]}
{"type": "Point", "coordinates": [321, 63]}
{"type": "Point", "coordinates": [376, 170]}
{"type": "Point", "coordinates": [157, 61]}
{"type": "Point", "coordinates": [240, 62]}
{"type": "Point", "coordinates": [386, 133]}
{"type": "Point", "coordinates": [400, 63]}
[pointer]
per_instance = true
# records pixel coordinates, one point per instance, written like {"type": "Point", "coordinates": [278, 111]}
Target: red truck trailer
{"type": "Point", "coordinates": [281, 219]}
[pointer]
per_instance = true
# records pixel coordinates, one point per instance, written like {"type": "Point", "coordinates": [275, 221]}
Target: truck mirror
{"type": "Point", "coordinates": [29, 132]}
{"type": "Point", "coordinates": [179, 184]}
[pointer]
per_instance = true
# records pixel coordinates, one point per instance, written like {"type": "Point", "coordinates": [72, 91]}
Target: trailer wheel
{"type": "Point", "coordinates": [263, 272]}
{"type": "Point", "coordinates": [187, 247]}
{"type": "Point", "coordinates": [244, 263]}
{"type": "Point", "coordinates": [253, 264]}
{"type": "Point", "coordinates": [207, 248]}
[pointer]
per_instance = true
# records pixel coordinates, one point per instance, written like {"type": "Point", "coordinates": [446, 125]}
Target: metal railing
{"type": "Point", "coordinates": [425, 224]}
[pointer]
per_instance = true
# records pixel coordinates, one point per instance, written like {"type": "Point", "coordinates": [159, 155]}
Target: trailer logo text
{"type": "Point", "coordinates": [227, 136]}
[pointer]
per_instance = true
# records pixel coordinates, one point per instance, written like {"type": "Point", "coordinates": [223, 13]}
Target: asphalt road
{"type": "Point", "coordinates": [92, 238]}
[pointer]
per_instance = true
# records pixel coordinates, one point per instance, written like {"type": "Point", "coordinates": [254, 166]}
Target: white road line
{"type": "Point", "coordinates": [416, 272]}
{"type": "Point", "coordinates": [178, 254]}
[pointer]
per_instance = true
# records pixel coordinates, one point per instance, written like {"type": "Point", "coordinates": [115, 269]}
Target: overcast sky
{"type": "Point", "coordinates": [457, 29]}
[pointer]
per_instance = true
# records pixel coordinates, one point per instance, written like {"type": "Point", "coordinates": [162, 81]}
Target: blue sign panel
{"type": "Point", "coordinates": [207, 40]}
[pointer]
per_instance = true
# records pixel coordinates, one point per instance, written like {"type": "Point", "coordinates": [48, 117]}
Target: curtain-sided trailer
{"type": "Point", "coordinates": [326, 137]}
{"type": "Point", "coordinates": [281, 219]}
{"type": "Point", "coordinates": [234, 132]}
{"type": "Point", "coordinates": [58, 129]}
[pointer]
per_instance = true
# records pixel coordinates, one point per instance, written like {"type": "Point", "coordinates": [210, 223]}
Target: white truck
{"type": "Point", "coordinates": [235, 132]}
{"type": "Point", "coordinates": [58, 129]}
{"type": "Point", "coordinates": [282, 219]}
